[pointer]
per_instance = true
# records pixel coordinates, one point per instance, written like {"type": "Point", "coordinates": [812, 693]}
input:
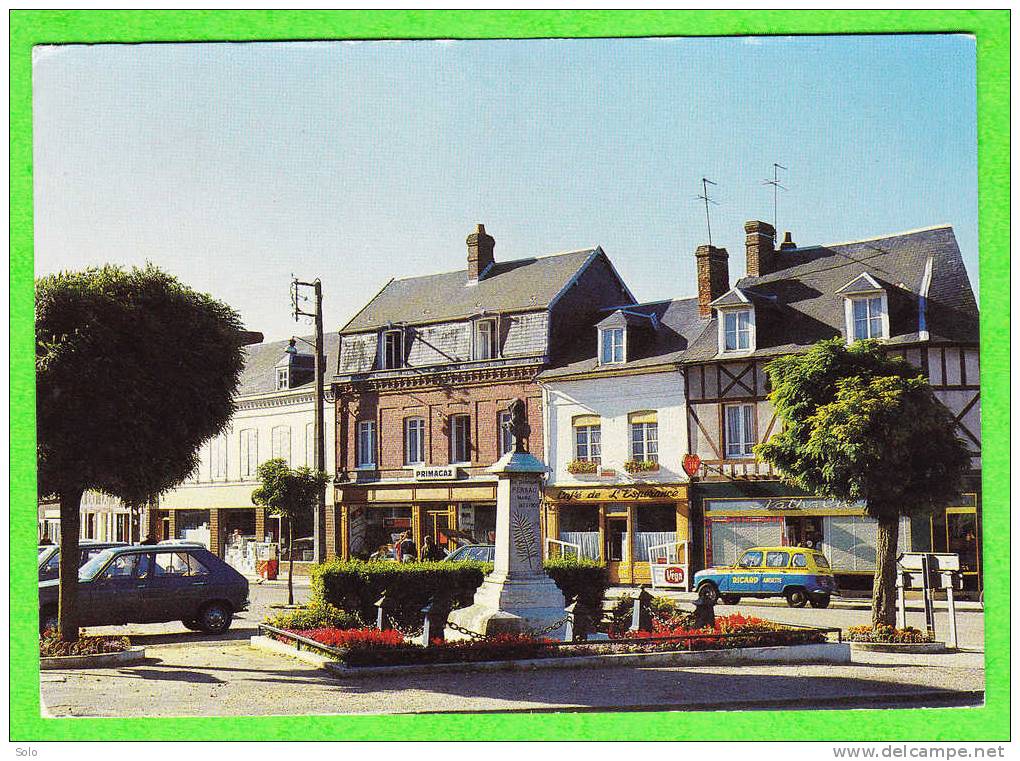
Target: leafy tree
{"type": "Point", "coordinates": [134, 370]}
{"type": "Point", "coordinates": [862, 425]}
{"type": "Point", "coordinates": [290, 494]}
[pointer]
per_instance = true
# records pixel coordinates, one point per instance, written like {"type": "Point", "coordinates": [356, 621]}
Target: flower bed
{"type": "Point", "coordinates": [51, 645]}
{"type": "Point", "coordinates": [316, 615]}
{"type": "Point", "coordinates": [887, 634]}
{"type": "Point", "coordinates": [371, 647]}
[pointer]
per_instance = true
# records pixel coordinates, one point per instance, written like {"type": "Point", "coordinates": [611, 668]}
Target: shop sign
{"type": "Point", "coordinates": [691, 464]}
{"type": "Point", "coordinates": [808, 505]}
{"type": "Point", "coordinates": [620, 494]}
{"type": "Point", "coordinates": [435, 473]}
{"type": "Point", "coordinates": [396, 523]}
{"type": "Point", "coordinates": [669, 576]}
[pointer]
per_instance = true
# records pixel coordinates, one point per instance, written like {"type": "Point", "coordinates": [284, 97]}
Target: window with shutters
{"type": "Point", "coordinates": [249, 453]}
{"type": "Point", "coordinates": [218, 458]}
{"type": "Point", "coordinates": [281, 443]}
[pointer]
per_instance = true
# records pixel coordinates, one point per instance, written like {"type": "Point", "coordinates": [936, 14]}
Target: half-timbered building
{"type": "Point", "coordinates": [910, 291]}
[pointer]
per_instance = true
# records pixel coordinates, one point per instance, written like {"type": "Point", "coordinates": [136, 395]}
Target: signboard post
{"type": "Point", "coordinates": [929, 571]}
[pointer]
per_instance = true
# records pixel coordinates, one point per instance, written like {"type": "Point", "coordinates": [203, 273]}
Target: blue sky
{"type": "Point", "coordinates": [235, 165]}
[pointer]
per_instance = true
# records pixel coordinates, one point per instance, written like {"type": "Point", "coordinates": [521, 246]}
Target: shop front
{"type": "Point", "coordinates": [369, 518]}
{"type": "Point", "coordinates": [628, 527]}
{"type": "Point", "coordinates": [841, 530]}
{"type": "Point", "coordinates": [957, 529]}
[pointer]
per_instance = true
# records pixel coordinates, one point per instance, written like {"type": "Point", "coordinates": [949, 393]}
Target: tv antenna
{"type": "Point", "coordinates": [776, 187]}
{"type": "Point", "coordinates": [705, 182]}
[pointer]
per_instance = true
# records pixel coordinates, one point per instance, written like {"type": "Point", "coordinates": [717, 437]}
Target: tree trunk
{"type": "Point", "coordinates": [883, 607]}
{"type": "Point", "coordinates": [290, 561]}
{"type": "Point", "coordinates": [70, 526]}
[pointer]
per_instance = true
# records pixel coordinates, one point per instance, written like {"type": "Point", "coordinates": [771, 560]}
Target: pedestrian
{"type": "Point", "coordinates": [408, 552]}
{"type": "Point", "coordinates": [430, 551]}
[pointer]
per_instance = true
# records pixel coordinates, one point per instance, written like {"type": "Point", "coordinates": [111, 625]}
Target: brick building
{"type": "Point", "coordinates": [425, 374]}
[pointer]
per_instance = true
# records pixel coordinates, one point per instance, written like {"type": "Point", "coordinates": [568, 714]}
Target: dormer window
{"type": "Point", "coordinates": [282, 378]}
{"type": "Point", "coordinates": [867, 309]}
{"type": "Point", "coordinates": [867, 317]}
{"type": "Point", "coordinates": [736, 321]}
{"type": "Point", "coordinates": [486, 346]}
{"type": "Point", "coordinates": [612, 343]}
{"type": "Point", "coordinates": [393, 349]}
{"type": "Point", "coordinates": [738, 324]}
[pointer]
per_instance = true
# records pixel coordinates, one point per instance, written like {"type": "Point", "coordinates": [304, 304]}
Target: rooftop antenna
{"type": "Point", "coordinates": [776, 187]}
{"type": "Point", "coordinates": [705, 182]}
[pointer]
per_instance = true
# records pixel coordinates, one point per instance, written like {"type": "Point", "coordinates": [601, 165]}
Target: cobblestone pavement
{"type": "Point", "coordinates": [191, 674]}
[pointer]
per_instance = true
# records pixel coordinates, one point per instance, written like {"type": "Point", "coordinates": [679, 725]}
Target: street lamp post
{"type": "Point", "coordinates": [318, 538]}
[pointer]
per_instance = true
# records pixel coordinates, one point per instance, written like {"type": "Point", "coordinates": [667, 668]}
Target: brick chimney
{"type": "Point", "coordinates": [713, 276]}
{"type": "Point", "coordinates": [761, 247]}
{"type": "Point", "coordinates": [480, 257]}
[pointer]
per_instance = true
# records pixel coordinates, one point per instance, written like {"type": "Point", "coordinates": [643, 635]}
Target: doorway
{"type": "Point", "coordinates": [438, 528]}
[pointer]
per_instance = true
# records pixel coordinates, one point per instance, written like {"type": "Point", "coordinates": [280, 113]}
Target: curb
{"type": "Point", "coordinates": [900, 647]}
{"type": "Point", "coordinates": [279, 648]}
{"type": "Point", "coordinates": [928, 698]}
{"type": "Point", "coordinates": [98, 661]}
{"type": "Point", "coordinates": [829, 652]}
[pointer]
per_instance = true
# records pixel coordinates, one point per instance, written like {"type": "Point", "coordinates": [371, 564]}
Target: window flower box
{"type": "Point", "coordinates": [587, 467]}
{"type": "Point", "coordinates": [641, 466]}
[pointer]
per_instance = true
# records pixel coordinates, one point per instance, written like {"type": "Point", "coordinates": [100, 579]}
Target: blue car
{"type": "Point", "coordinates": [799, 574]}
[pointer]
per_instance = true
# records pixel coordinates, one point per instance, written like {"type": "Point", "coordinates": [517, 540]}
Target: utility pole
{"type": "Point", "coordinates": [319, 523]}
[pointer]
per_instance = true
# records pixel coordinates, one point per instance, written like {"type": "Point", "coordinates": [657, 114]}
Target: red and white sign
{"type": "Point", "coordinates": [691, 464]}
{"type": "Point", "coordinates": [672, 575]}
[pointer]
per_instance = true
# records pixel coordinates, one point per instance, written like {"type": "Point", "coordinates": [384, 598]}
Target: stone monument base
{"type": "Point", "coordinates": [511, 606]}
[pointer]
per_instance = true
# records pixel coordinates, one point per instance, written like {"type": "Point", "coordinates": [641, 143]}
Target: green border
{"type": "Point", "coordinates": [991, 28]}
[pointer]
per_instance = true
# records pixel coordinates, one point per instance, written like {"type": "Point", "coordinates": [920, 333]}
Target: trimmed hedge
{"type": "Point", "coordinates": [316, 615]}
{"type": "Point", "coordinates": [355, 585]}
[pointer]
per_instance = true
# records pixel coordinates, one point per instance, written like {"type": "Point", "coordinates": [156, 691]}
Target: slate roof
{"type": "Point", "coordinates": [806, 306]}
{"type": "Point", "coordinates": [679, 324]}
{"type": "Point", "coordinates": [259, 374]}
{"type": "Point", "coordinates": [517, 285]}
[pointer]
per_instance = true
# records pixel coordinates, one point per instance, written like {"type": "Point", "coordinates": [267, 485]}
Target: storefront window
{"type": "Point", "coordinates": [653, 525]}
{"type": "Point", "coordinates": [579, 524]}
{"type": "Point", "coordinates": [485, 524]}
{"type": "Point", "coordinates": [380, 527]}
{"type": "Point", "coordinates": [961, 538]}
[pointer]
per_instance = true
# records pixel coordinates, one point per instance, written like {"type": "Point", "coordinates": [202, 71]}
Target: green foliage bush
{"type": "Point", "coordinates": [316, 615]}
{"type": "Point", "coordinates": [355, 585]}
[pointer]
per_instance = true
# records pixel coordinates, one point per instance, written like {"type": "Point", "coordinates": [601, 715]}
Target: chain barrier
{"type": "Point", "coordinates": [553, 627]}
{"type": "Point", "coordinates": [472, 635]}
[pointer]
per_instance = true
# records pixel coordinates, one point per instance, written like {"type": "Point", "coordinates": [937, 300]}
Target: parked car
{"type": "Point", "coordinates": [152, 584]}
{"type": "Point", "coordinates": [486, 553]}
{"type": "Point", "coordinates": [49, 556]}
{"type": "Point", "coordinates": [799, 574]}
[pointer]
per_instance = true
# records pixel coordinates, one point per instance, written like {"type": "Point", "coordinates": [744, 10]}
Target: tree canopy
{"type": "Point", "coordinates": [285, 491]}
{"type": "Point", "coordinates": [859, 424]}
{"type": "Point", "coordinates": [134, 371]}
